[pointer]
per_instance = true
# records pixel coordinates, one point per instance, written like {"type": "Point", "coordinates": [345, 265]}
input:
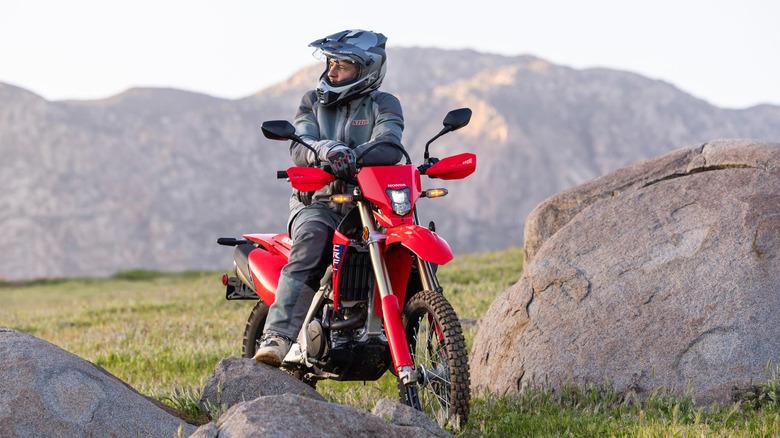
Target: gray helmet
{"type": "Point", "coordinates": [366, 50]}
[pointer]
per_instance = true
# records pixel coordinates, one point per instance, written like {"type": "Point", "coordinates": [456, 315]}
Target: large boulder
{"type": "Point", "coordinates": [290, 415]}
{"type": "Point", "coordinates": [666, 273]}
{"type": "Point", "coordinates": [238, 379]}
{"type": "Point", "coordinates": [46, 391]}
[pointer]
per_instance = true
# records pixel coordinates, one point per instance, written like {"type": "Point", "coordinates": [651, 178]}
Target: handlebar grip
{"type": "Point", "coordinates": [281, 174]}
{"type": "Point", "coordinates": [230, 241]}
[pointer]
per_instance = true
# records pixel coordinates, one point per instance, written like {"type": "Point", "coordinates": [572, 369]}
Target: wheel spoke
{"type": "Point", "coordinates": [434, 395]}
{"type": "Point", "coordinates": [438, 349]}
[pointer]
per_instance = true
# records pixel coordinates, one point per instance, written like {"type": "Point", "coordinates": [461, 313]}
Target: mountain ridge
{"type": "Point", "coordinates": [148, 178]}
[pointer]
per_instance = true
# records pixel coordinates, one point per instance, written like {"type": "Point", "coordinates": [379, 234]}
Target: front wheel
{"type": "Point", "coordinates": [439, 351]}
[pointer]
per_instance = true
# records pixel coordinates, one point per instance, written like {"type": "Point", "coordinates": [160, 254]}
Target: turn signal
{"type": "Point", "coordinates": [435, 193]}
{"type": "Point", "coordinates": [341, 199]}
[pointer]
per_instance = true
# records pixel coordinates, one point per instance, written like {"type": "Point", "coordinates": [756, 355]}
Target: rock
{"type": "Point", "coordinates": [407, 416]}
{"type": "Point", "coordinates": [663, 274]}
{"type": "Point", "coordinates": [290, 415]}
{"type": "Point", "coordinates": [236, 379]}
{"type": "Point", "coordinates": [46, 391]}
{"type": "Point", "coordinates": [557, 210]}
{"type": "Point", "coordinates": [206, 431]}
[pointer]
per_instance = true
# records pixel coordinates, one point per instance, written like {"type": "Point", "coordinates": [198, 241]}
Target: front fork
{"type": "Point", "coordinates": [391, 309]}
{"type": "Point", "coordinates": [427, 275]}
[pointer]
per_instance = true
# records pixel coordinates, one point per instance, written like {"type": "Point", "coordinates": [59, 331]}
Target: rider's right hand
{"type": "Point", "coordinates": [323, 147]}
{"type": "Point", "coordinates": [342, 160]}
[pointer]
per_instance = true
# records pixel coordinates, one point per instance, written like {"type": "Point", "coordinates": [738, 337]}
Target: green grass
{"type": "Point", "coordinates": [599, 412]}
{"type": "Point", "coordinates": [157, 334]}
{"type": "Point", "coordinates": [164, 334]}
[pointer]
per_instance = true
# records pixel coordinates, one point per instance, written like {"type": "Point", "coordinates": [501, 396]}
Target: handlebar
{"type": "Point", "coordinates": [282, 174]}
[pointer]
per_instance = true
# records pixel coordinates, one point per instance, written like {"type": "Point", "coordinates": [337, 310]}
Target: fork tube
{"type": "Point", "coordinates": [391, 310]}
{"type": "Point", "coordinates": [426, 274]}
{"type": "Point", "coordinates": [427, 277]}
{"type": "Point", "coordinates": [375, 251]}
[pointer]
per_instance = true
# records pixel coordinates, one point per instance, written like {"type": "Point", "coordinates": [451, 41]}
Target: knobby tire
{"type": "Point", "coordinates": [254, 329]}
{"type": "Point", "coordinates": [436, 342]}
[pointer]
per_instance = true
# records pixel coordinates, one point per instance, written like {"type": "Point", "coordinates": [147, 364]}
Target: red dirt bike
{"type": "Point", "coordinates": [380, 306]}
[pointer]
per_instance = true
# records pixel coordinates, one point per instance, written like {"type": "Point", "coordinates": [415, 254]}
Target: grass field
{"type": "Point", "coordinates": [164, 334]}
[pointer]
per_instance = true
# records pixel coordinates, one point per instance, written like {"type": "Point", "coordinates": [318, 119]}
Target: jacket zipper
{"type": "Point", "coordinates": [344, 125]}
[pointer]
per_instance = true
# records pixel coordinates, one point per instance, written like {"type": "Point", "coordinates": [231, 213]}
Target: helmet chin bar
{"type": "Point", "coordinates": [348, 82]}
{"type": "Point", "coordinates": [330, 94]}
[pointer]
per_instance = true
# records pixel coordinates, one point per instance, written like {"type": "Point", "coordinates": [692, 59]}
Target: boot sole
{"type": "Point", "coordinates": [268, 359]}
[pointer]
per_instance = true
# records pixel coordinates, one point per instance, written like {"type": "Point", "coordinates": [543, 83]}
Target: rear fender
{"type": "Point", "coordinates": [421, 241]}
{"type": "Point", "coordinates": [266, 268]}
{"type": "Point", "coordinates": [266, 263]}
{"type": "Point", "coordinates": [276, 244]}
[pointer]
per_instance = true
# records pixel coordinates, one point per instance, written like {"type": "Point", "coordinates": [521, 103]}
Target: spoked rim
{"type": "Point", "coordinates": [439, 351]}
{"type": "Point", "coordinates": [430, 355]}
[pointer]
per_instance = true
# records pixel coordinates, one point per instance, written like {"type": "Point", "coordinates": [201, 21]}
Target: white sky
{"type": "Point", "coordinates": [725, 52]}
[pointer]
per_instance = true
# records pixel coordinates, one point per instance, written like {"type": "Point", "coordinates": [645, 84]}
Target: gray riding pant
{"type": "Point", "coordinates": [310, 255]}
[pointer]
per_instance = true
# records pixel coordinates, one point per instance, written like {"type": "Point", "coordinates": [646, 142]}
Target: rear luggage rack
{"type": "Point", "coordinates": [237, 290]}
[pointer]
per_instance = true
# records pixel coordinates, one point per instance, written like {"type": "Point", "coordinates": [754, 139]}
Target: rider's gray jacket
{"type": "Point", "coordinates": [360, 123]}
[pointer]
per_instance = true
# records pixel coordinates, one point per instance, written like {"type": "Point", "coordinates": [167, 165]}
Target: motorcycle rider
{"type": "Point", "coordinates": [349, 122]}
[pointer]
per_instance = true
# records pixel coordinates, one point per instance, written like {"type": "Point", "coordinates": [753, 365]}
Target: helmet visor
{"type": "Point", "coordinates": [335, 49]}
{"type": "Point", "coordinates": [339, 70]}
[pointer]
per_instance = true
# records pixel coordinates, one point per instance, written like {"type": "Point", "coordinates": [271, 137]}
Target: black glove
{"type": "Point", "coordinates": [323, 148]}
{"type": "Point", "coordinates": [342, 161]}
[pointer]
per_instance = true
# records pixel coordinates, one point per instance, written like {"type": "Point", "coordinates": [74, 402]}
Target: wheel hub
{"type": "Point", "coordinates": [435, 378]}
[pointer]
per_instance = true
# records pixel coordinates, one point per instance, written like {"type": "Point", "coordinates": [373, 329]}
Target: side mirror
{"type": "Point", "coordinates": [454, 120]}
{"type": "Point", "coordinates": [278, 130]}
{"type": "Point", "coordinates": [283, 130]}
{"type": "Point", "coordinates": [457, 119]}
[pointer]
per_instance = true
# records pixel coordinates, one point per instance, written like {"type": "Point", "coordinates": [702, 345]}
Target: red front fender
{"type": "Point", "coordinates": [421, 241]}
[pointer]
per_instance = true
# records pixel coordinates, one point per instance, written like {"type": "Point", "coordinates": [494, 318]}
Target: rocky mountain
{"type": "Point", "coordinates": [150, 177]}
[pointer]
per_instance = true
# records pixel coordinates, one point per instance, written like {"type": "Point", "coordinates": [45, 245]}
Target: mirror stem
{"type": "Point", "coordinates": [298, 139]}
{"type": "Point", "coordinates": [442, 132]}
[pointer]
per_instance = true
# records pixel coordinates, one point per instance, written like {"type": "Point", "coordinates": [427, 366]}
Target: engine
{"type": "Point", "coordinates": [340, 339]}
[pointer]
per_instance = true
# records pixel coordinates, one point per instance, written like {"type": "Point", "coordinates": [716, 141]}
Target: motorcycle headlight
{"type": "Point", "coordinates": [399, 199]}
